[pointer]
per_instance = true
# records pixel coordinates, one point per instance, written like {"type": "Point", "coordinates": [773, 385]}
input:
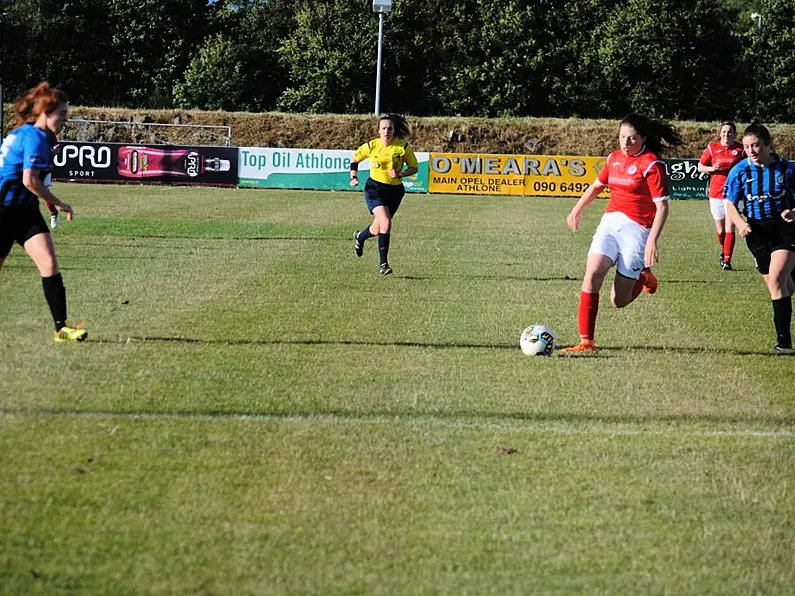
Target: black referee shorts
{"type": "Point", "coordinates": [19, 223]}
{"type": "Point", "coordinates": [767, 237]}
{"type": "Point", "coordinates": [377, 194]}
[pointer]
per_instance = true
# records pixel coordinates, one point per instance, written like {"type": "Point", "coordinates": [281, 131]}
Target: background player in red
{"type": "Point", "coordinates": [632, 223]}
{"type": "Point", "coordinates": [718, 158]}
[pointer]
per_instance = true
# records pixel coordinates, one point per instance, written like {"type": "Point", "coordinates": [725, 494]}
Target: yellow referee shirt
{"type": "Point", "coordinates": [384, 158]}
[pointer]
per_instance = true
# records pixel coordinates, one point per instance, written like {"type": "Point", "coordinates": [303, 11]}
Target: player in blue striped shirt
{"type": "Point", "coordinates": [762, 188]}
{"type": "Point", "coordinates": [26, 157]}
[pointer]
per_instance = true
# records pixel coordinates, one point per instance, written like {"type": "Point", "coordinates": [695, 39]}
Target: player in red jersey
{"type": "Point", "coordinates": [632, 223]}
{"type": "Point", "coordinates": [718, 158]}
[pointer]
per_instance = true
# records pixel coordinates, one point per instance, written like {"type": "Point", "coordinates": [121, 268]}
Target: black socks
{"type": "Point", "coordinates": [782, 317]}
{"type": "Point", "coordinates": [55, 293]}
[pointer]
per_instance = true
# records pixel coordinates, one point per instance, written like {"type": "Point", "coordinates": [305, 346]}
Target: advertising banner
{"type": "Point", "coordinates": [158, 164]}
{"type": "Point", "coordinates": [684, 179]}
{"type": "Point", "coordinates": [313, 169]}
{"type": "Point", "coordinates": [534, 175]}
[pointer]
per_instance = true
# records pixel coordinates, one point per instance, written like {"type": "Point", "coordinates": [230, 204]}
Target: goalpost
{"type": "Point", "coordinates": [150, 133]}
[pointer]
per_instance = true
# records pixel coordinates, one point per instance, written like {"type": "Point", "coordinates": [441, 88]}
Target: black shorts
{"type": "Point", "coordinates": [378, 194]}
{"type": "Point", "coordinates": [767, 237]}
{"type": "Point", "coordinates": [19, 223]}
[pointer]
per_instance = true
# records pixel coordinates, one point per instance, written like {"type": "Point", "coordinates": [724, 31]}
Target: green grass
{"type": "Point", "coordinates": [259, 412]}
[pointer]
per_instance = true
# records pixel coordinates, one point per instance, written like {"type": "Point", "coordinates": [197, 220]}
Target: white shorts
{"type": "Point", "coordinates": [718, 208]}
{"type": "Point", "coordinates": [622, 240]}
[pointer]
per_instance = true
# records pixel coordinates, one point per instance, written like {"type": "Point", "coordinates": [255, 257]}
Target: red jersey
{"type": "Point", "coordinates": [636, 182]}
{"type": "Point", "coordinates": [723, 158]}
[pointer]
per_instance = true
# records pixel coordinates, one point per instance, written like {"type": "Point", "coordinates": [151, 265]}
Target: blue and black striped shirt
{"type": "Point", "coordinates": [25, 148]}
{"type": "Point", "coordinates": [761, 193]}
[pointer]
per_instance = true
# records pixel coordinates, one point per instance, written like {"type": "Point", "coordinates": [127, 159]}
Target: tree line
{"type": "Point", "coordinates": [695, 60]}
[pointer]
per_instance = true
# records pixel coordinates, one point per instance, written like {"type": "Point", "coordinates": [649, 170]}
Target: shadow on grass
{"type": "Point", "coordinates": [83, 242]}
{"type": "Point", "coordinates": [604, 351]}
{"type": "Point", "coordinates": [463, 418]}
{"type": "Point", "coordinates": [487, 277]}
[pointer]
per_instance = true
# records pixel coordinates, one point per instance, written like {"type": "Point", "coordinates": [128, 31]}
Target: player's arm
{"type": "Point", "coordinates": [651, 255]}
{"type": "Point", "coordinates": [789, 214]}
{"type": "Point", "coordinates": [34, 183]}
{"type": "Point", "coordinates": [732, 192]}
{"type": "Point", "coordinates": [354, 165]}
{"type": "Point", "coordinates": [412, 165]}
{"type": "Point", "coordinates": [734, 216]}
{"type": "Point", "coordinates": [361, 154]}
{"type": "Point", "coordinates": [705, 162]}
{"type": "Point", "coordinates": [573, 220]}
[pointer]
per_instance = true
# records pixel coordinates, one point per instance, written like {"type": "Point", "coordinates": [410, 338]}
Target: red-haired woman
{"type": "Point", "coordinates": [716, 160]}
{"type": "Point", "coordinates": [632, 223]}
{"type": "Point", "coordinates": [25, 160]}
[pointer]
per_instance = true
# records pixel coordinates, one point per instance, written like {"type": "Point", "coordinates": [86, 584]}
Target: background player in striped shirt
{"type": "Point", "coordinates": [632, 223]}
{"type": "Point", "coordinates": [716, 160]}
{"type": "Point", "coordinates": [25, 159]}
{"type": "Point", "coordinates": [762, 188]}
{"type": "Point", "coordinates": [384, 190]}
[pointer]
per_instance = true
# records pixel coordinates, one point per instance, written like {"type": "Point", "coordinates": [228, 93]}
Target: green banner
{"type": "Point", "coordinates": [684, 179]}
{"type": "Point", "coordinates": [312, 169]}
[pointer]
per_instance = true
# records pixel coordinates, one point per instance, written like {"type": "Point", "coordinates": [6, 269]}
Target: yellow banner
{"type": "Point", "coordinates": [533, 175]}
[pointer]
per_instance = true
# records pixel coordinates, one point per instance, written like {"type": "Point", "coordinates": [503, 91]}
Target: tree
{"type": "Point", "coordinates": [776, 60]}
{"type": "Point", "coordinates": [668, 59]}
{"type": "Point", "coordinates": [152, 43]}
{"type": "Point", "coordinates": [329, 54]}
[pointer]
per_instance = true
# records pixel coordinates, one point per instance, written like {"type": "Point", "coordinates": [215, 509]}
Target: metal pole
{"type": "Point", "coordinates": [758, 18]}
{"type": "Point", "coordinates": [758, 64]}
{"type": "Point", "coordinates": [378, 71]}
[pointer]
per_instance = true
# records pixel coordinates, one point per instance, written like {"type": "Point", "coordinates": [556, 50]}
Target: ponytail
{"type": "Point", "coordinates": [655, 131]}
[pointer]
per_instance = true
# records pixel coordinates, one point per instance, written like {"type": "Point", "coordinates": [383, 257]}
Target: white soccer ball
{"type": "Point", "coordinates": [538, 340]}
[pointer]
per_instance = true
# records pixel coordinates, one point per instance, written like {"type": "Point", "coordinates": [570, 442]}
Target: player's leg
{"type": "Point", "coordinates": [41, 250]}
{"type": "Point", "coordinates": [779, 283]}
{"type": "Point", "coordinates": [729, 241]}
{"type": "Point", "coordinates": [373, 200]}
{"type": "Point", "coordinates": [718, 210]}
{"type": "Point", "coordinates": [394, 196]}
{"type": "Point", "coordinates": [383, 223]}
{"type": "Point", "coordinates": [602, 255]}
{"type": "Point", "coordinates": [632, 275]}
{"type": "Point", "coordinates": [596, 269]}
{"type": "Point", "coordinates": [53, 215]}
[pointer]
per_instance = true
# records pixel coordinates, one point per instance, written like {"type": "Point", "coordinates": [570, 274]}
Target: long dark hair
{"type": "Point", "coordinates": [41, 99]}
{"type": "Point", "coordinates": [759, 130]}
{"type": "Point", "coordinates": [402, 130]}
{"type": "Point", "coordinates": [655, 131]}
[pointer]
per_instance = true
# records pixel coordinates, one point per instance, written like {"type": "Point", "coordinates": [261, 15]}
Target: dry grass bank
{"type": "Point", "coordinates": [544, 136]}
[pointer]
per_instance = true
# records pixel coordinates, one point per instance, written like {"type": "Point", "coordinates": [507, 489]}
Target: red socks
{"type": "Point", "coordinates": [586, 314]}
{"type": "Point", "coordinates": [728, 247]}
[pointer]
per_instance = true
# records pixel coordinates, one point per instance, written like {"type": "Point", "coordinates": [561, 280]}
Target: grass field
{"type": "Point", "coordinates": [257, 411]}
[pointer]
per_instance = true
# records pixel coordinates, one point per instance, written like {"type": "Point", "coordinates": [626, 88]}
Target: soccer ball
{"type": "Point", "coordinates": [538, 340]}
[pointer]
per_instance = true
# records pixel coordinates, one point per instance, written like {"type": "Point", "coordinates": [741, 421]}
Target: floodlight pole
{"type": "Point", "coordinates": [380, 7]}
{"type": "Point", "coordinates": [378, 69]}
{"type": "Point", "coordinates": [758, 18]}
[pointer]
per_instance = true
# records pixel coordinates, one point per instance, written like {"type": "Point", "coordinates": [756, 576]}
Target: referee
{"type": "Point", "coordinates": [384, 190]}
{"type": "Point", "coordinates": [762, 188]}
